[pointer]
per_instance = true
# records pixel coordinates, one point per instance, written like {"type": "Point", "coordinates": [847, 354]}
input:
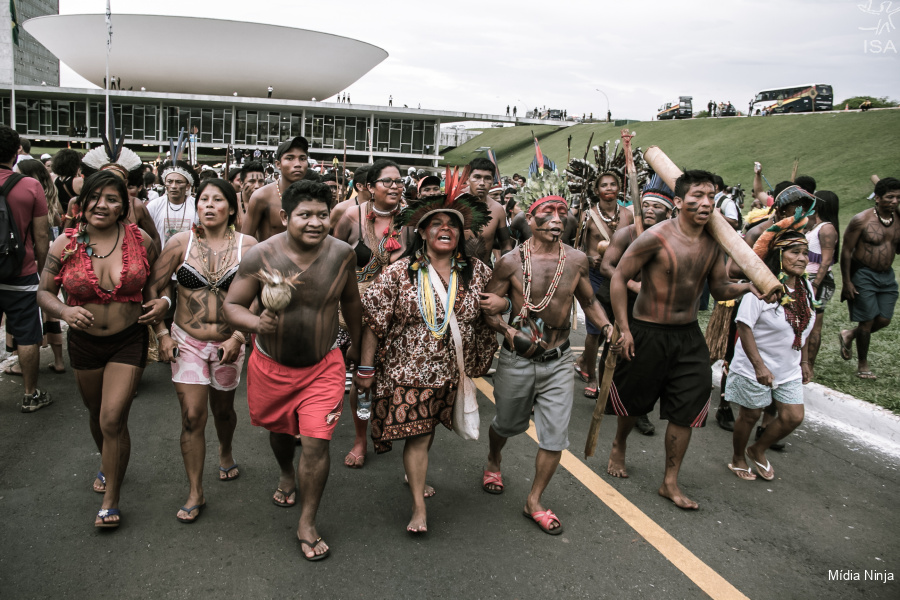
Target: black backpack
{"type": "Point", "coordinates": [12, 247]}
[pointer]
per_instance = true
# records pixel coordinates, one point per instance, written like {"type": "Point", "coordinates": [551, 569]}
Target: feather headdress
{"type": "Point", "coordinates": [112, 155]}
{"type": "Point", "coordinates": [172, 166]}
{"type": "Point", "coordinates": [473, 213]}
{"type": "Point", "coordinates": [537, 188]}
{"type": "Point", "coordinates": [583, 175]}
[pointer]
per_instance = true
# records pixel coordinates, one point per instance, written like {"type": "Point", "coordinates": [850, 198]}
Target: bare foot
{"type": "Point", "coordinates": [616, 465]}
{"type": "Point", "coordinates": [310, 534]}
{"type": "Point", "coordinates": [418, 522]}
{"type": "Point", "coordinates": [673, 493]}
{"type": "Point", "coordinates": [429, 491]}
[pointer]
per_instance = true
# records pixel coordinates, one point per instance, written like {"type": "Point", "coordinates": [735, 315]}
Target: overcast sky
{"type": "Point", "coordinates": [479, 56]}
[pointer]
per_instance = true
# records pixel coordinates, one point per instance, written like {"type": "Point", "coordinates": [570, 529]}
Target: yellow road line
{"type": "Point", "coordinates": [686, 561]}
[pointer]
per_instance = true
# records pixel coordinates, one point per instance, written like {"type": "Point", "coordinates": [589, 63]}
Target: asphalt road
{"type": "Point", "coordinates": [832, 507]}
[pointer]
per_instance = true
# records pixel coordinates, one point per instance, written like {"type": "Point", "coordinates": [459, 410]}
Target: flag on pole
{"type": "Point", "coordinates": [108, 26]}
{"type": "Point", "coordinates": [493, 158]}
{"type": "Point", "coordinates": [14, 18]}
{"type": "Point", "coordinates": [540, 161]}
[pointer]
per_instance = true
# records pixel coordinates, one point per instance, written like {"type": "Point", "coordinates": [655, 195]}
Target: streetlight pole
{"type": "Point", "coordinates": [605, 96]}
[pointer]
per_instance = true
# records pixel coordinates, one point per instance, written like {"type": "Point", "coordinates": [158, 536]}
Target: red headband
{"type": "Point", "coordinates": [545, 199]}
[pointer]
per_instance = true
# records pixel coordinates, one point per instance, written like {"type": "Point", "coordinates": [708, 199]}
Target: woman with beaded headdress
{"type": "Point", "coordinates": [770, 359]}
{"type": "Point", "coordinates": [103, 265]}
{"type": "Point", "coordinates": [425, 334]}
{"type": "Point", "coordinates": [372, 229]}
{"type": "Point", "coordinates": [205, 353]}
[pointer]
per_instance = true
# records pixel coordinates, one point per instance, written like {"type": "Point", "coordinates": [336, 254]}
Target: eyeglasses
{"type": "Point", "coordinates": [389, 182]}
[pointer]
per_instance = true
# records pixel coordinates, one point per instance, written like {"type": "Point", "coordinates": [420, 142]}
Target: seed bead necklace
{"type": "Point", "coordinates": [527, 306]}
{"type": "Point", "coordinates": [609, 220]}
{"type": "Point", "coordinates": [885, 222]}
{"type": "Point", "coordinates": [213, 276]}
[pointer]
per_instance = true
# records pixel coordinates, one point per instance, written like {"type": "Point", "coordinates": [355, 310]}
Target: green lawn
{"type": "Point", "coordinates": [841, 150]}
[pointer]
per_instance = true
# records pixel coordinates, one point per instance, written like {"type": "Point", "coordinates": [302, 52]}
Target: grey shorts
{"type": "Point", "coordinates": [877, 295]}
{"type": "Point", "coordinates": [750, 393]}
{"type": "Point", "coordinates": [520, 384]}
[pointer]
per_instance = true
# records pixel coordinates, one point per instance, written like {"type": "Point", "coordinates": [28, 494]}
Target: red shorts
{"type": "Point", "coordinates": [291, 400]}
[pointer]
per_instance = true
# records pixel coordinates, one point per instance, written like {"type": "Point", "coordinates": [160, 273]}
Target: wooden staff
{"type": "Point", "coordinates": [728, 239]}
{"type": "Point", "coordinates": [600, 406]}
{"type": "Point", "coordinates": [631, 173]}
{"type": "Point", "coordinates": [344, 172]}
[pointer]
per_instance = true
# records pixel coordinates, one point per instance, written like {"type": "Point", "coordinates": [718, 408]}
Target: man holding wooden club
{"type": "Point", "coordinates": [665, 353]}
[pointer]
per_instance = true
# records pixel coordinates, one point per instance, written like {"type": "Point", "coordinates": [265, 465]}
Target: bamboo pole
{"type": "Point", "coordinates": [730, 241]}
{"type": "Point", "coordinates": [603, 395]}
{"type": "Point", "coordinates": [631, 174]}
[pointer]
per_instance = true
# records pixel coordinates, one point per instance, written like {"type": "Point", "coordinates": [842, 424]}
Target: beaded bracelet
{"type": "Point", "coordinates": [509, 307]}
{"type": "Point", "coordinates": [167, 299]}
{"type": "Point", "coordinates": [237, 335]}
{"type": "Point", "coordinates": [366, 375]}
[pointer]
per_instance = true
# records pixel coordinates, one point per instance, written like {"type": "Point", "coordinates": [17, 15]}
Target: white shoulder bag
{"type": "Point", "coordinates": [465, 410]}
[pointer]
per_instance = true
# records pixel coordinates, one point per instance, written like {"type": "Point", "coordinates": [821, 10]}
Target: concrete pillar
{"type": "Point", "coordinates": [372, 137]}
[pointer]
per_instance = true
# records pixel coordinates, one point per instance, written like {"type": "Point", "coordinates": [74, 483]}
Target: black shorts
{"type": "Point", "coordinates": [18, 301]}
{"type": "Point", "coordinates": [128, 347]}
{"type": "Point", "coordinates": [671, 363]}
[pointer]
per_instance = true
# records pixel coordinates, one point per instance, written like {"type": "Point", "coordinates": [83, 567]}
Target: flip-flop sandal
{"type": "Point", "coordinates": [227, 472]}
{"type": "Point", "coordinates": [846, 349]}
{"type": "Point", "coordinates": [764, 469]}
{"type": "Point", "coordinates": [287, 496]}
{"type": "Point", "coordinates": [492, 478]}
{"type": "Point", "coordinates": [102, 479]}
{"type": "Point", "coordinates": [7, 370]}
{"type": "Point", "coordinates": [106, 513]}
{"type": "Point", "coordinates": [543, 519]}
{"type": "Point", "coordinates": [312, 546]}
{"type": "Point", "coordinates": [359, 460]}
{"type": "Point", "coordinates": [743, 474]}
{"type": "Point", "coordinates": [197, 507]}
{"type": "Point", "coordinates": [583, 374]}
{"type": "Point", "coordinates": [866, 375]}
{"type": "Point", "coordinates": [592, 393]}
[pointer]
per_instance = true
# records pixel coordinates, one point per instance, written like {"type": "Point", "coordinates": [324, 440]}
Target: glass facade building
{"type": "Point", "coordinates": [219, 125]}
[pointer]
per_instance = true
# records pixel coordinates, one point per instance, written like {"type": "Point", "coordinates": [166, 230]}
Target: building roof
{"type": "Point", "coordinates": [207, 56]}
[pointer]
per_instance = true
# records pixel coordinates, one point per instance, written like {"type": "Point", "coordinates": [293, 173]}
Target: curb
{"type": "Point", "coordinates": [843, 411]}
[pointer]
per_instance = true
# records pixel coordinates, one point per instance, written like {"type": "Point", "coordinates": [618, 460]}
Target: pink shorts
{"type": "Point", "coordinates": [292, 400]}
{"type": "Point", "coordinates": [198, 363]}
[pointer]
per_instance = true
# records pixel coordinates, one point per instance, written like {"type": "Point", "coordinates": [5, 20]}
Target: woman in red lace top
{"type": "Point", "coordinates": [102, 264]}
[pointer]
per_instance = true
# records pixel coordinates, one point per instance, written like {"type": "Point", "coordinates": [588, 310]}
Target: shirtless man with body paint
{"type": "Point", "coordinates": [664, 351]}
{"type": "Point", "coordinates": [295, 376]}
{"type": "Point", "coordinates": [539, 377]}
{"type": "Point", "coordinates": [263, 218]}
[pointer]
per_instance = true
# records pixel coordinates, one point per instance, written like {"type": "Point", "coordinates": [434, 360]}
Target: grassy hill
{"type": "Point", "coordinates": [841, 150]}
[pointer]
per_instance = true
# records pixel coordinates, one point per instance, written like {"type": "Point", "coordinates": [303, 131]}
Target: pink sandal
{"type": "Point", "coordinates": [543, 519]}
{"type": "Point", "coordinates": [492, 478]}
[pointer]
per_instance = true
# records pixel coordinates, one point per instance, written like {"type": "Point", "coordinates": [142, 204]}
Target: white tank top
{"type": "Point", "coordinates": [815, 250]}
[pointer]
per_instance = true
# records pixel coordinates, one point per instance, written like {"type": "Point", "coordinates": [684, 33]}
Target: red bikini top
{"type": "Point", "coordinates": [77, 277]}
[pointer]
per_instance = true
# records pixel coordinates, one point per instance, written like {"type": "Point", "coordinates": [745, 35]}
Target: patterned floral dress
{"type": "Point", "coordinates": [416, 374]}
